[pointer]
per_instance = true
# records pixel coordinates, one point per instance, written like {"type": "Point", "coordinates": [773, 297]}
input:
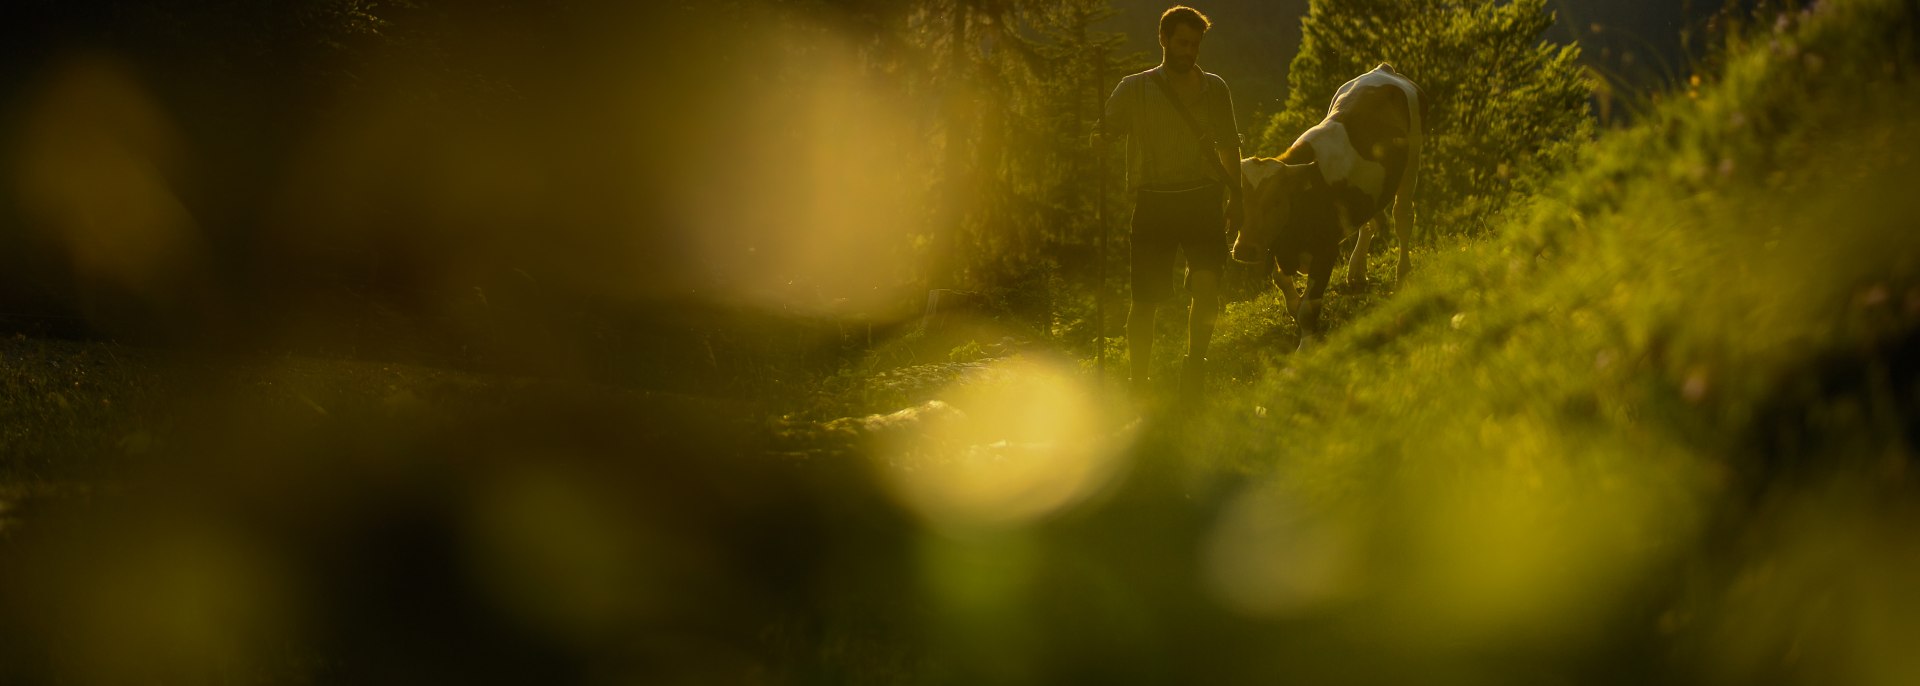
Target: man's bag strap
{"type": "Point", "coordinates": [1213, 162]}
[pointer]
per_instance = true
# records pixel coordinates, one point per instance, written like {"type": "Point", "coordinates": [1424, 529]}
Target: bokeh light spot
{"type": "Point", "coordinates": [1031, 442]}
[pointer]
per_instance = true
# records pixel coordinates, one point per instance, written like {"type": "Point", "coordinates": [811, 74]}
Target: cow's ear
{"type": "Point", "coordinates": [1255, 172]}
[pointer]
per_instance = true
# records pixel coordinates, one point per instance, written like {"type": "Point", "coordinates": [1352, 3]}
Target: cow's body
{"type": "Point", "coordinates": [1336, 179]}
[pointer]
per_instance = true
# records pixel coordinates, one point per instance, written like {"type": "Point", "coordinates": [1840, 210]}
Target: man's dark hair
{"type": "Point", "coordinates": [1182, 15]}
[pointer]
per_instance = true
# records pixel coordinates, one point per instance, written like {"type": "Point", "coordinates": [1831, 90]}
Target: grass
{"type": "Point", "coordinates": [1612, 434]}
{"type": "Point", "coordinates": [1638, 396]}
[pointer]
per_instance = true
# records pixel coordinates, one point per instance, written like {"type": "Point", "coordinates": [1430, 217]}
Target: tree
{"type": "Point", "coordinates": [1507, 108]}
{"type": "Point", "coordinates": [1013, 99]}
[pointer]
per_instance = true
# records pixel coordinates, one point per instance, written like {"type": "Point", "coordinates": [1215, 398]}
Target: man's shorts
{"type": "Point", "coordinates": [1193, 221]}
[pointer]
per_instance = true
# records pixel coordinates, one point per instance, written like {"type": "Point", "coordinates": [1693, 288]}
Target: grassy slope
{"type": "Point", "coordinates": [1678, 393]}
{"type": "Point", "coordinates": [1659, 431]}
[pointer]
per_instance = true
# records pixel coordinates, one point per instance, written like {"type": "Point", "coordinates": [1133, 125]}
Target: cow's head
{"type": "Point", "coordinates": [1269, 186]}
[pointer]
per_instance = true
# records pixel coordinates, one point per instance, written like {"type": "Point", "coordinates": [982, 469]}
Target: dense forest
{"type": "Point", "coordinates": [780, 341]}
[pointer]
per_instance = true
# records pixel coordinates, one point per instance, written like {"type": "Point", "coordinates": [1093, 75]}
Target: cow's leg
{"type": "Point", "coordinates": [1318, 274]}
{"type": "Point", "coordinates": [1283, 280]}
{"type": "Point", "coordinates": [1357, 264]}
{"type": "Point", "coordinates": [1402, 234]}
{"type": "Point", "coordinates": [1403, 209]}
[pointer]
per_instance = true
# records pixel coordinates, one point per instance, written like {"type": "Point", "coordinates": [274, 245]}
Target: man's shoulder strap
{"type": "Point", "coordinates": [1166, 89]}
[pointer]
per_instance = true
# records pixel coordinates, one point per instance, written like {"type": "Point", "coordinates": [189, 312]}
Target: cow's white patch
{"type": "Point", "coordinates": [1341, 164]}
{"type": "Point", "coordinates": [1257, 171]}
{"type": "Point", "coordinates": [1380, 76]}
{"type": "Point", "coordinates": [1383, 76]}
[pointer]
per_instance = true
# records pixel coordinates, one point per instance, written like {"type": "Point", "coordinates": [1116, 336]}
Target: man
{"type": "Point", "coordinates": [1183, 159]}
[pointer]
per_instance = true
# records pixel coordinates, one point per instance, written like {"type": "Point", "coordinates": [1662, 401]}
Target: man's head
{"type": "Point", "coordinates": [1181, 29]}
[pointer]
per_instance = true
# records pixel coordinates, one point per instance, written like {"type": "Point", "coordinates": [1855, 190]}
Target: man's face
{"type": "Point", "coordinates": [1182, 47]}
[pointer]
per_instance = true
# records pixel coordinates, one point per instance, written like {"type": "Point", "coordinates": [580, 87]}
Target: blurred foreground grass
{"type": "Point", "coordinates": [1660, 431]}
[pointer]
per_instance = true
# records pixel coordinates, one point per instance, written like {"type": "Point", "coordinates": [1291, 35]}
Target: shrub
{"type": "Point", "coordinates": [1507, 109]}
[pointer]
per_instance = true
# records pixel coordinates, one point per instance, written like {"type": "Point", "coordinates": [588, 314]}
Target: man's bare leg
{"type": "Point", "coordinates": [1205, 288]}
{"type": "Point", "coordinates": [1140, 343]}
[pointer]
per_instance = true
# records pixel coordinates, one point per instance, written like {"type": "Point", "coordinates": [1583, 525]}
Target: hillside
{"type": "Point", "coordinates": [1661, 429]}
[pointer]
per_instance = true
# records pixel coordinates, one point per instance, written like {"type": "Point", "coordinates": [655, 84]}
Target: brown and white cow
{"type": "Point", "coordinates": [1338, 178]}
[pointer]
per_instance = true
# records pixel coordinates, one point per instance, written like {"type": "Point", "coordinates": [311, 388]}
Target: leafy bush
{"type": "Point", "coordinates": [1507, 109]}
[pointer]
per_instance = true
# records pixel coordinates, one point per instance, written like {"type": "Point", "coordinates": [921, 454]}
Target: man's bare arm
{"type": "Point", "coordinates": [1230, 161]}
{"type": "Point", "coordinates": [1236, 212]}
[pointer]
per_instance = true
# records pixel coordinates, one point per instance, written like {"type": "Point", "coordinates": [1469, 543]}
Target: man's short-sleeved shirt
{"type": "Point", "coordinates": [1163, 151]}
